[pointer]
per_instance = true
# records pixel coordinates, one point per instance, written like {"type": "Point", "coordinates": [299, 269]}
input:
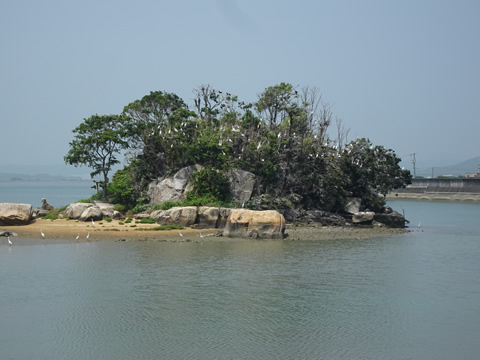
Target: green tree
{"type": "Point", "coordinates": [97, 142]}
{"type": "Point", "coordinates": [372, 169]}
{"type": "Point", "coordinates": [159, 127]}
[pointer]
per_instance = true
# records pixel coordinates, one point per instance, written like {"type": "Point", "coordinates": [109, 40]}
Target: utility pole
{"type": "Point", "coordinates": [414, 168]}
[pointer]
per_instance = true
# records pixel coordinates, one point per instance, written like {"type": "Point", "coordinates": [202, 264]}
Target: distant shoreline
{"type": "Point", "coordinates": [459, 197]}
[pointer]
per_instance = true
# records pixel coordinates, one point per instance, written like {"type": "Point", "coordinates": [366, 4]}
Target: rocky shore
{"type": "Point", "coordinates": [64, 230]}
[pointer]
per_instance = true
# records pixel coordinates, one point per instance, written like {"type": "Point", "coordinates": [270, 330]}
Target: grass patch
{"type": "Point", "coordinates": [162, 227]}
{"type": "Point", "coordinates": [111, 229]}
{"type": "Point", "coordinates": [146, 221]}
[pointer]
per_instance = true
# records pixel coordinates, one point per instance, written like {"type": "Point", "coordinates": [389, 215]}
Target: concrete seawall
{"type": "Point", "coordinates": [439, 189]}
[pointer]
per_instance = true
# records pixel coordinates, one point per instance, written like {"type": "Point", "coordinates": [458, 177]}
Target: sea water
{"type": "Point", "coordinates": [57, 193]}
{"type": "Point", "coordinates": [412, 296]}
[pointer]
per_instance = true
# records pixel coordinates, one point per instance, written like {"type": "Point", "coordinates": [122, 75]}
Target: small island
{"type": "Point", "coordinates": [237, 159]}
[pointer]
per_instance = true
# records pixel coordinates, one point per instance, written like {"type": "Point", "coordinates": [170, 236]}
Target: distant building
{"type": "Point", "coordinates": [473, 175]}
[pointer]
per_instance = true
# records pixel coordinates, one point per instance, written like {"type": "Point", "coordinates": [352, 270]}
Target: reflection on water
{"type": "Point", "coordinates": [411, 296]}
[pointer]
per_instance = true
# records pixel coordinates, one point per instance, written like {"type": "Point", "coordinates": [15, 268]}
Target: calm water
{"type": "Point", "coordinates": [57, 193]}
{"type": "Point", "coordinates": [414, 296]}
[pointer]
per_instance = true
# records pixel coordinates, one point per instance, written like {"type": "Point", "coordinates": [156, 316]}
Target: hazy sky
{"type": "Point", "coordinates": [403, 73]}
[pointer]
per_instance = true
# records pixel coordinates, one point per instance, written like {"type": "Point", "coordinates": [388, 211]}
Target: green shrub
{"type": "Point", "coordinates": [169, 204]}
{"type": "Point", "coordinates": [107, 219]}
{"type": "Point", "coordinates": [128, 221]}
{"type": "Point", "coordinates": [146, 221]}
{"type": "Point", "coordinates": [50, 216]}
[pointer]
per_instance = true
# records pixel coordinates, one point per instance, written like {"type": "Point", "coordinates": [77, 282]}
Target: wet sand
{"type": "Point", "coordinates": [63, 230]}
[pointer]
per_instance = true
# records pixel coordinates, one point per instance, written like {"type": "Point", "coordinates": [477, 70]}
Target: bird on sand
{"type": "Point", "coordinates": [42, 234]}
{"type": "Point", "coordinates": [179, 233]}
{"type": "Point", "coordinates": [88, 235]}
{"type": "Point", "coordinates": [7, 234]}
{"type": "Point", "coordinates": [77, 237]}
{"type": "Point", "coordinates": [93, 222]}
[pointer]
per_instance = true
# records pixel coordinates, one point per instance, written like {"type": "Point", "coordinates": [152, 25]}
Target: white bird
{"type": "Point", "coordinates": [77, 237]}
{"type": "Point", "coordinates": [93, 222]}
{"type": "Point", "coordinates": [179, 233]}
{"type": "Point", "coordinates": [88, 235]}
{"type": "Point", "coordinates": [9, 241]}
{"type": "Point", "coordinates": [43, 235]}
{"type": "Point", "coordinates": [201, 234]}
{"type": "Point", "coordinates": [419, 224]}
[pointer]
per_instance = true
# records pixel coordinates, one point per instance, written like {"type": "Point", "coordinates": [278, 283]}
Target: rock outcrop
{"type": "Point", "coordinates": [268, 224]}
{"type": "Point", "coordinates": [184, 216]}
{"type": "Point", "coordinates": [75, 210]}
{"type": "Point", "coordinates": [176, 187]}
{"type": "Point", "coordinates": [171, 188]}
{"type": "Point", "coordinates": [363, 217]}
{"type": "Point", "coordinates": [242, 184]}
{"type": "Point", "coordinates": [15, 214]}
{"type": "Point", "coordinates": [91, 211]}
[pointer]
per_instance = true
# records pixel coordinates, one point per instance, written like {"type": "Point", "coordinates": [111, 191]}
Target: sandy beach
{"type": "Point", "coordinates": [63, 230]}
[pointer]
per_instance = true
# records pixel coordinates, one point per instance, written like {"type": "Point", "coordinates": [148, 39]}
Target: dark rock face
{"type": "Point", "coordinates": [393, 219]}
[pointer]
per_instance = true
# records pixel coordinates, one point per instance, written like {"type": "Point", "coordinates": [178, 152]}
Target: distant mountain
{"type": "Point", "coordinates": [460, 169]}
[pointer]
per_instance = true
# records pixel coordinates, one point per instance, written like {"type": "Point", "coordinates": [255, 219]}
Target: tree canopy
{"type": "Point", "coordinates": [282, 138]}
{"type": "Point", "coordinates": [97, 142]}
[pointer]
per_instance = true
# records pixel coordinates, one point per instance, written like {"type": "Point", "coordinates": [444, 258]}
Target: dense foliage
{"type": "Point", "coordinates": [282, 139]}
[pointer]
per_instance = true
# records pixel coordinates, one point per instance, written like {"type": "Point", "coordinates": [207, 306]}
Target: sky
{"type": "Point", "coordinates": [405, 74]}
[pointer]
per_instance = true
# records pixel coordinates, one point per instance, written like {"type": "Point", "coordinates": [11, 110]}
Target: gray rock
{"type": "Point", "coordinates": [363, 217]}
{"type": "Point", "coordinates": [323, 217]}
{"type": "Point", "coordinates": [353, 205]}
{"type": "Point", "coordinates": [117, 215]}
{"type": "Point", "coordinates": [184, 216]}
{"type": "Point", "coordinates": [223, 214]}
{"type": "Point", "coordinates": [242, 184]}
{"type": "Point", "coordinates": [391, 219]}
{"type": "Point", "coordinates": [207, 217]}
{"type": "Point", "coordinates": [91, 213]}
{"type": "Point", "coordinates": [105, 208]}
{"type": "Point", "coordinates": [15, 214]}
{"type": "Point", "coordinates": [171, 188]}
{"type": "Point", "coordinates": [75, 210]}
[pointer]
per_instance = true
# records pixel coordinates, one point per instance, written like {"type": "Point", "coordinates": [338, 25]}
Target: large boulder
{"type": "Point", "coordinates": [75, 210]}
{"type": "Point", "coordinates": [363, 217]}
{"type": "Point", "coordinates": [105, 208]}
{"type": "Point", "coordinates": [353, 205]}
{"type": "Point", "coordinates": [207, 217]}
{"type": "Point", "coordinates": [15, 214]}
{"type": "Point", "coordinates": [184, 216]}
{"type": "Point", "coordinates": [268, 224]}
{"type": "Point", "coordinates": [171, 188]}
{"type": "Point", "coordinates": [91, 213]}
{"type": "Point", "coordinates": [391, 218]}
{"type": "Point", "coordinates": [242, 184]}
